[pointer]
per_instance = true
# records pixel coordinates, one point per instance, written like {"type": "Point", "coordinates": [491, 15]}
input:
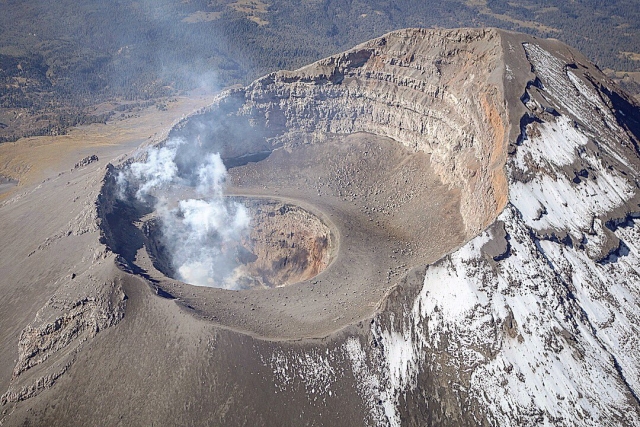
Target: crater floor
{"type": "Point", "coordinates": [387, 210]}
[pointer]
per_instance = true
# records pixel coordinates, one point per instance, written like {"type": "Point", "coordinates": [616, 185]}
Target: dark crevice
{"type": "Point", "coordinates": [622, 250]}
{"type": "Point", "coordinates": [624, 222]}
{"type": "Point", "coordinates": [507, 253]}
{"type": "Point", "coordinates": [624, 379]}
{"type": "Point", "coordinates": [234, 162]}
{"type": "Point", "coordinates": [560, 237]}
{"type": "Point", "coordinates": [525, 120]}
{"type": "Point", "coordinates": [536, 240]}
{"type": "Point", "coordinates": [164, 294]}
{"type": "Point", "coordinates": [537, 83]}
{"type": "Point", "coordinates": [627, 115]}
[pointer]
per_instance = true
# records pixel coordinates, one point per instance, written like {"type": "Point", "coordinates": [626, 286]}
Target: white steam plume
{"type": "Point", "coordinates": [158, 170]}
{"type": "Point", "coordinates": [201, 235]}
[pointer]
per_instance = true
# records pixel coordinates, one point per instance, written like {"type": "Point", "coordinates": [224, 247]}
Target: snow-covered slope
{"type": "Point", "coordinates": [535, 321]}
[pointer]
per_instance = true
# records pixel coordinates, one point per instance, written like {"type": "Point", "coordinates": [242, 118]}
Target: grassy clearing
{"type": "Point", "coordinates": [484, 9]}
{"type": "Point", "coordinates": [253, 9]}
{"type": "Point", "coordinates": [634, 56]}
{"type": "Point", "coordinates": [30, 160]}
{"type": "Point", "coordinates": [201, 16]}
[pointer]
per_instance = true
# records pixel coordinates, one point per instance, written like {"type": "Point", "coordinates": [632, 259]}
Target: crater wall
{"type": "Point", "coordinates": [436, 91]}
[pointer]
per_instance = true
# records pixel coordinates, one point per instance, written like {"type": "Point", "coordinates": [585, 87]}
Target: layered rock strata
{"type": "Point", "coordinates": [439, 92]}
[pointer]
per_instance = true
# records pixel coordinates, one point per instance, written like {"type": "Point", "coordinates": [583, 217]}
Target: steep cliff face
{"type": "Point", "coordinates": [436, 91]}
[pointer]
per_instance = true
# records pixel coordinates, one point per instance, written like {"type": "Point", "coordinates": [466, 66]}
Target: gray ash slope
{"type": "Point", "coordinates": [530, 317]}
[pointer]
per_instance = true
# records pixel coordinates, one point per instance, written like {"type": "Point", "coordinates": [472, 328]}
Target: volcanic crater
{"type": "Point", "coordinates": [352, 179]}
{"type": "Point", "coordinates": [365, 174]}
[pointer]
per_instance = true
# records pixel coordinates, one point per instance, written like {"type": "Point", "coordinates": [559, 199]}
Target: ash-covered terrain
{"type": "Point", "coordinates": [436, 227]}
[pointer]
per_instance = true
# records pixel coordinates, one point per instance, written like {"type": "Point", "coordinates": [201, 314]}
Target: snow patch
{"type": "Point", "coordinates": [312, 369]}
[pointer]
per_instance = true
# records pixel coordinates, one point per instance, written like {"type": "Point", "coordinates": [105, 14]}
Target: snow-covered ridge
{"type": "Point", "coordinates": [534, 321]}
{"type": "Point", "coordinates": [554, 200]}
{"type": "Point", "coordinates": [543, 331]}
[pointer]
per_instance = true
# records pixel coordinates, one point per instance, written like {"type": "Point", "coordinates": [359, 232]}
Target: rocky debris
{"type": "Point", "coordinates": [59, 332]}
{"type": "Point", "coordinates": [85, 162]}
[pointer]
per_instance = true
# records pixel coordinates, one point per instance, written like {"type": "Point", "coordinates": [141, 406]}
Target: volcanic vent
{"type": "Point", "coordinates": [284, 244]}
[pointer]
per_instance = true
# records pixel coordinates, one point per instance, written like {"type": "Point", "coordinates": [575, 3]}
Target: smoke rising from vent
{"type": "Point", "coordinates": [200, 234]}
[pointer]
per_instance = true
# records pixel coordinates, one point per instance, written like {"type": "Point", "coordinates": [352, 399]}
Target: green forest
{"type": "Point", "coordinates": [58, 59]}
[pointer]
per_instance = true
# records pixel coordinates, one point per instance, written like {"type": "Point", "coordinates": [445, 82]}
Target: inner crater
{"type": "Point", "coordinates": [285, 244]}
